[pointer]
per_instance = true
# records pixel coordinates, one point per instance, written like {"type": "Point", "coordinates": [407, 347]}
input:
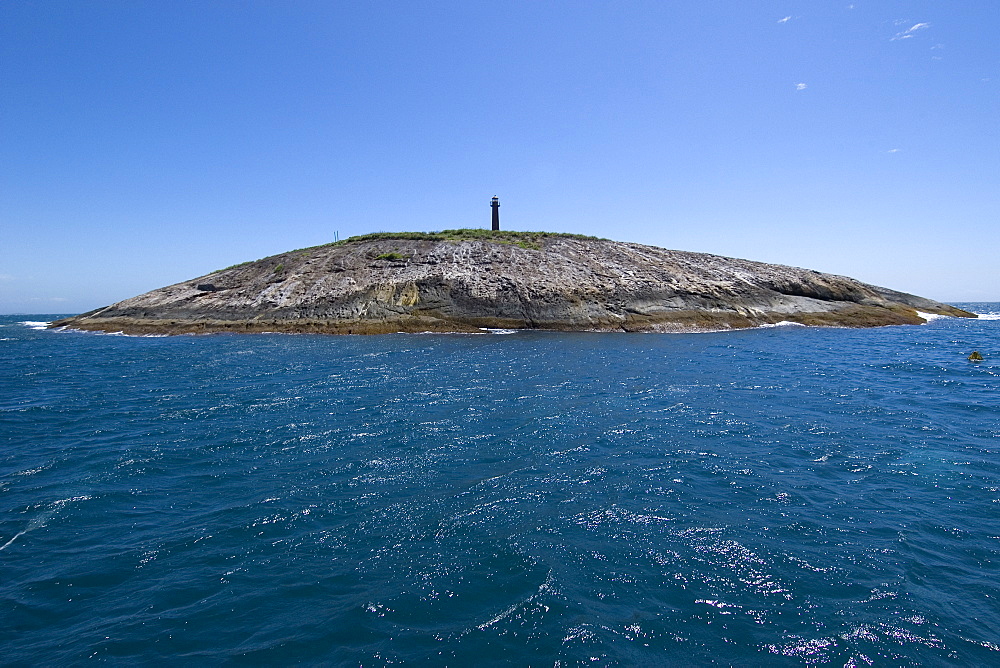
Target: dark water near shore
{"type": "Point", "coordinates": [786, 496]}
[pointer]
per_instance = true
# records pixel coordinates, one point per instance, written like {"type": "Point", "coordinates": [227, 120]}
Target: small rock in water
{"type": "Point", "coordinates": [975, 356]}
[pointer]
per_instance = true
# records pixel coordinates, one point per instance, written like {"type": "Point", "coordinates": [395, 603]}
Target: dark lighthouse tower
{"type": "Point", "coordinates": [495, 204]}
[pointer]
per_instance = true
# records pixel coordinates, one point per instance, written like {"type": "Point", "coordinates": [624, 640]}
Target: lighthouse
{"type": "Point", "coordinates": [495, 205]}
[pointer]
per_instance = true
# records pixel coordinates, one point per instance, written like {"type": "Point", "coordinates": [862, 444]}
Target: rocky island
{"type": "Point", "coordinates": [468, 280]}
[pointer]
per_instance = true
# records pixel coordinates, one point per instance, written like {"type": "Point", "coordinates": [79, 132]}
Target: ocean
{"type": "Point", "coordinates": [784, 496]}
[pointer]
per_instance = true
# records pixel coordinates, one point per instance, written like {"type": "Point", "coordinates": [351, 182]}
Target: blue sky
{"type": "Point", "coordinates": [146, 143]}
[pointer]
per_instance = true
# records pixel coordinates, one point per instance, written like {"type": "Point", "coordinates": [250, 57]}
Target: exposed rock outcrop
{"type": "Point", "coordinates": [462, 281]}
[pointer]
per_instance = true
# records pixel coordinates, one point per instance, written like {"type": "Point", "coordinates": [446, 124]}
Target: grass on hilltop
{"type": "Point", "coordinates": [529, 240]}
{"type": "Point", "coordinates": [468, 234]}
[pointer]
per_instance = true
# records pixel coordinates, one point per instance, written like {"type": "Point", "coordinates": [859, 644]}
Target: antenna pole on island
{"type": "Point", "coordinates": [495, 205]}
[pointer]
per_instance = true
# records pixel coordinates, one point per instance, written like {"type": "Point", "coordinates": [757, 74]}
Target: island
{"type": "Point", "coordinates": [475, 279]}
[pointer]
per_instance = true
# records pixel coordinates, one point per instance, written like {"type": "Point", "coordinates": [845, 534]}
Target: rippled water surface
{"type": "Point", "coordinates": [782, 496]}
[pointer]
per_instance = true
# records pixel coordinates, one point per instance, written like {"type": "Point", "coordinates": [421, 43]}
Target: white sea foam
{"type": "Point", "coordinates": [16, 536]}
{"type": "Point", "coordinates": [500, 331]}
{"type": "Point", "coordinates": [931, 316]}
{"type": "Point", "coordinates": [100, 333]}
{"type": "Point", "coordinates": [43, 519]}
{"type": "Point", "coordinates": [988, 316]}
{"type": "Point", "coordinates": [35, 324]}
{"type": "Point", "coordinates": [783, 323]}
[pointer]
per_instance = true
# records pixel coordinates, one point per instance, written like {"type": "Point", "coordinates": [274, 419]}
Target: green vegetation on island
{"type": "Point", "coordinates": [528, 240]}
{"type": "Point", "coordinates": [466, 234]}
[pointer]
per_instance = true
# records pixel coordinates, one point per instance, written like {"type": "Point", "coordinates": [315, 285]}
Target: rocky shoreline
{"type": "Point", "coordinates": [466, 280]}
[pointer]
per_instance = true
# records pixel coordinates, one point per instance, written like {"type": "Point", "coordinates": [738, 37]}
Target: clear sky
{"type": "Point", "coordinates": [145, 143]}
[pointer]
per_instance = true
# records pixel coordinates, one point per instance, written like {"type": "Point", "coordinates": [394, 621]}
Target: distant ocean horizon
{"type": "Point", "coordinates": [779, 496]}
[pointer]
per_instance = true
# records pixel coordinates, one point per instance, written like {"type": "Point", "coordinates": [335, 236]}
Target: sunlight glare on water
{"type": "Point", "coordinates": [783, 496]}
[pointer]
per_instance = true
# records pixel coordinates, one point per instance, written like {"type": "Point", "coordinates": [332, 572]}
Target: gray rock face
{"type": "Point", "coordinates": [533, 281]}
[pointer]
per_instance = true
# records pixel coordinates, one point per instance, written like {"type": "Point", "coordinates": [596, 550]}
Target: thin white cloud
{"type": "Point", "coordinates": [910, 32]}
{"type": "Point", "coordinates": [6, 277]}
{"type": "Point", "coordinates": [800, 86]}
{"type": "Point", "coordinates": [785, 20]}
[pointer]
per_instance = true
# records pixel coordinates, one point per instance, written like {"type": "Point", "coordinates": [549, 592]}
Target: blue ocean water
{"type": "Point", "coordinates": [783, 496]}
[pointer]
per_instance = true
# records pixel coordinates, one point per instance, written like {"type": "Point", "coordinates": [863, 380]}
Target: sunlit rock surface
{"type": "Point", "coordinates": [461, 281]}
